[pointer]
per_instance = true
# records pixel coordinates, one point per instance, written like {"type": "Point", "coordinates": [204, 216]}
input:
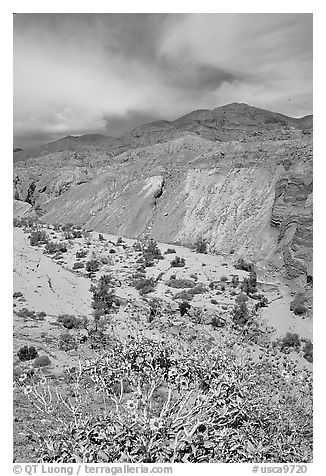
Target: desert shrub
{"type": "Point", "coordinates": [148, 261]}
{"type": "Point", "coordinates": [67, 227]}
{"type": "Point", "coordinates": [184, 307]}
{"type": "Point", "coordinates": [235, 281]}
{"type": "Point", "coordinates": [178, 262]}
{"type": "Point", "coordinates": [101, 237]}
{"type": "Point", "coordinates": [41, 315]}
{"type": "Point", "coordinates": [309, 279]}
{"type": "Point", "coordinates": [138, 276]}
{"type": "Point", "coordinates": [78, 265]}
{"type": "Point", "coordinates": [70, 321]}
{"type": "Point", "coordinates": [308, 351]}
{"type": "Point", "coordinates": [25, 222]}
{"type": "Point", "coordinates": [27, 353]}
{"type": "Point", "coordinates": [253, 278]}
{"type": "Point", "coordinates": [105, 259]}
{"type": "Point", "coordinates": [41, 361]}
{"type": "Point", "coordinates": [223, 279]}
{"type": "Point", "coordinates": [180, 283]}
{"type": "Point", "coordinates": [297, 305]}
{"type": "Point", "coordinates": [217, 322]}
{"type": "Point", "coordinates": [213, 285]}
{"type": "Point", "coordinates": [299, 309]}
{"type": "Point", "coordinates": [222, 287]}
{"type": "Point", "coordinates": [243, 265]}
{"type": "Point", "coordinates": [172, 406]}
{"type": "Point", "coordinates": [159, 276]}
{"type": "Point", "coordinates": [199, 289]}
{"type": "Point", "coordinates": [151, 252]}
{"type": "Point", "coordinates": [71, 234]}
{"type": "Point", "coordinates": [213, 301]}
{"type": "Point", "coordinates": [241, 298]}
{"type": "Point", "coordinates": [183, 295]}
{"type": "Point", "coordinates": [77, 234]}
{"type": "Point", "coordinates": [52, 248]}
{"type": "Point", "coordinates": [248, 286]}
{"type": "Point", "coordinates": [38, 237]}
{"type": "Point", "coordinates": [81, 254]}
{"type": "Point", "coordinates": [17, 294]}
{"type": "Point", "coordinates": [67, 342]}
{"type": "Point", "coordinates": [145, 285]}
{"type": "Point", "coordinates": [104, 297]}
{"type": "Point", "coordinates": [240, 314]}
{"type": "Point", "coordinates": [290, 341]}
{"type": "Point", "coordinates": [137, 246]}
{"type": "Point", "coordinates": [26, 313]}
{"type": "Point", "coordinates": [201, 245]}
{"type": "Point", "coordinates": [262, 301]}
{"type": "Point", "coordinates": [93, 265]}
{"type": "Point", "coordinates": [169, 251]}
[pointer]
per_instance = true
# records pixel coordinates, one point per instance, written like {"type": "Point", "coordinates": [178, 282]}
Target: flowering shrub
{"type": "Point", "coordinates": [168, 405]}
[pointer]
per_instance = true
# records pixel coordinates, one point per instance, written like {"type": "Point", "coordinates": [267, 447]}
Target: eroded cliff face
{"type": "Point", "coordinates": [292, 215]}
{"type": "Point", "coordinates": [249, 199]}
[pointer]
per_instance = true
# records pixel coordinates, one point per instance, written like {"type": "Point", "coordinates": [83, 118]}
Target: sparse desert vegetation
{"type": "Point", "coordinates": [183, 333]}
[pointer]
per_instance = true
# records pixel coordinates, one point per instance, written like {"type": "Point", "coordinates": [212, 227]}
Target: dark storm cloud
{"type": "Point", "coordinates": [76, 73]}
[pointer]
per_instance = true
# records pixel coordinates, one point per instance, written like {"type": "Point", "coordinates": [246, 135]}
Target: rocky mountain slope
{"type": "Point", "coordinates": [239, 176]}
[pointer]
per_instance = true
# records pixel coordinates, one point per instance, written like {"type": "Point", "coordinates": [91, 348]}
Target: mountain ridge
{"type": "Point", "coordinates": [207, 123]}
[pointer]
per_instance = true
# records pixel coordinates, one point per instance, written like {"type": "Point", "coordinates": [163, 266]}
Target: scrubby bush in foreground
{"type": "Point", "coordinates": [169, 251]}
{"type": "Point", "coordinates": [52, 248]}
{"type": "Point", "coordinates": [104, 298]}
{"type": "Point", "coordinates": [71, 322]}
{"type": "Point", "coordinates": [38, 237]}
{"type": "Point", "coordinates": [92, 266]}
{"type": "Point", "coordinates": [184, 307]}
{"type": "Point", "coordinates": [240, 314]}
{"type": "Point", "coordinates": [201, 245]}
{"type": "Point", "coordinates": [25, 222]}
{"type": "Point", "coordinates": [308, 351]}
{"type": "Point", "coordinates": [67, 342]}
{"type": "Point", "coordinates": [243, 265]}
{"type": "Point", "coordinates": [290, 341]}
{"type": "Point", "coordinates": [27, 353]}
{"type": "Point", "coordinates": [178, 262]}
{"type": "Point", "coordinates": [168, 405]}
{"type": "Point", "coordinates": [180, 283]}
{"type": "Point", "coordinates": [78, 265]}
{"type": "Point", "coordinates": [145, 285]}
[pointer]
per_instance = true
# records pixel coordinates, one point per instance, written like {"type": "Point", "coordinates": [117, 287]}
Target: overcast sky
{"type": "Point", "coordinates": [107, 73]}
